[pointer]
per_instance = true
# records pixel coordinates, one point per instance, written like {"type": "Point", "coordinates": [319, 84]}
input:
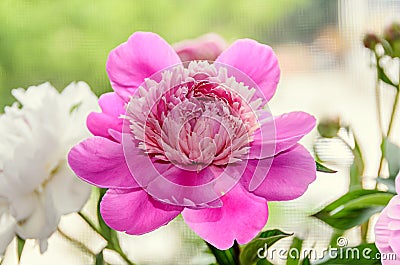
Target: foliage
{"type": "Point", "coordinates": [355, 208]}
{"type": "Point", "coordinates": [62, 41]}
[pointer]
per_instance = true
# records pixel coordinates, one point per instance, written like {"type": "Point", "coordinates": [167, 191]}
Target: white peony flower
{"type": "Point", "coordinates": [37, 186]}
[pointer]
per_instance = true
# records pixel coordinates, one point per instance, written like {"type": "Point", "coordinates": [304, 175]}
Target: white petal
{"type": "Point", "coordinates": [43, 221]}
{"type": "Point", "coordinates": [22, 207]}
{"type": "Point", "coordinates": [43, 245]}
{"type": "Point", "coordinates": [35, 137]}
{"type": "Point", "coordinates": [34, 95]}
{"type": "Point", "coordinates": [7, 231]}
{"type": "Point", "coordinates": [67, 192]}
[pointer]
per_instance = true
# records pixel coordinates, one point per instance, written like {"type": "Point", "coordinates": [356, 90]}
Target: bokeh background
{"type": "Point", "coordinates": [60, 41]}
{"type": "Point", "coordinates": [325, 71]}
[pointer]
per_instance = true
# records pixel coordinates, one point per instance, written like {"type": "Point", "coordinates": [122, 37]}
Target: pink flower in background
{"type": "Point", "coordinates": [206, 47]}
{"type": "Point", "coordinates": [197, 140]}
{"type": "Point", "coordinates": [387, 229]}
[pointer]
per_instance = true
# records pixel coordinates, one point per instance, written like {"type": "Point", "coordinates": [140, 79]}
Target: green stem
{"type": "Point", "coordinates": [111, 244]}
{"type": "Point", "coordinates": [364, 232]}
{"type": "Point", "coordinates": [378, 97]}
{"type": "Point", "coordinates": [226, 257]}
{"type": "Point", "coordinates": [380, 168]}
{"type": "Point", "coordinates": [393, 115]}
{"type": "Point", "coordinates": [99, 259]}
{"type": "Point", "coordinates": [356, 182]}
{"type": "Point", "coordinates": [346, 143]}
{"type": "Point", "coordinates": [90, 223]}
{"type": "Point", "coordinates": [75, 242]}
{"type": "Point", "coordinates": [116, 247]}
{"type": "Point", "coordinates": [236, 251]}
{"type": "Point", "coordinates": [379, 113]}
{"type": "Point", "coordinates": [335, 235]}
{"type": "Point", "coordinates": [20, 247]}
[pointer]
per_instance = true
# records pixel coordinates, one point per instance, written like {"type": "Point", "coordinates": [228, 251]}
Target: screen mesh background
{"type": "Point", "coordinates": [325, 71]}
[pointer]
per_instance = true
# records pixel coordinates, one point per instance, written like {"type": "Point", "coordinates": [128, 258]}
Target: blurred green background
{"type": "Point", "coordinates": [62, 41]}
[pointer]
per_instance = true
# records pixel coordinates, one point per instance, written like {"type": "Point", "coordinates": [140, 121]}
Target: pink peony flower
{"type": "Point", "coordinates": [387, 229]}
{"type": "Point", "coordinates": [197, 140]}
{"type": "Point", "coordinates": [205, 47]}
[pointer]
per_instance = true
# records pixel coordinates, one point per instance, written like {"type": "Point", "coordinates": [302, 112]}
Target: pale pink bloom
{"type": "Point", "coordinates": [387, 229]}
{"type": "Point", "coordinates": [206, 47]}
{"type": "Point", "coordinates": [197, 140]}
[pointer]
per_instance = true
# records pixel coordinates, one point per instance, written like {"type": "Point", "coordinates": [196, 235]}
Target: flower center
{"type": "Point", "coordinates": [194, 117]}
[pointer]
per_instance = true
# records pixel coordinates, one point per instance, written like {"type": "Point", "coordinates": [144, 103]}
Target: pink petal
{"type": "Point", "coordinates": [398, 183]}
{"type": "Point", "coordinates": [206, 47]}
{"type": "Point", "coordinates": [241, 218]}
{"type": "Point", "coordinates": [288, 178]}
{"type": "Point", "coordinates": [112, 104]}
{"type": "Point", "coordinates": [392, 214]}
{"type": "Point", "coordinates": [112, 107]}
{"type": "Point", "coordinates": [186, 188]}
{"type": "Point", "coordinates": [395, 242]}
{"type": "Point", "coordinates": [168, 183]}
{"type": "Point", "coordinates": [135, 212]}
{"type": "Point", "coordinates": [256, 60]}
{"type": "Point", "coordinates": [382, 233]}
{"type": "Point", "coordinates": [391, 262]}
{"type": "Point", "coordinates": [386, 239]}
{"type": "Point", "coordinates": [143, 55]}
{"type": "Point", "coordinates": [394, 208]}
{"type": "Point", "coordinates": [101, 162]}
{"type": "Point", "coordinates": [290, 128]}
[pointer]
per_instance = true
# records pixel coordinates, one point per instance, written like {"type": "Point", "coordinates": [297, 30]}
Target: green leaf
{"type": "Point", "coordinates": [357, 168]}
{"type": "Point", "coordinates": [105, 231]}
{"type": "Point", "coordinates": [297, 243]}
{"type": "Point", "coordinates": [322, 168]}
{"type": "Point", "coordinates": [329, 128]}
{"type": "Point", "coordinates": [355, 178]}
{"type": "Point", "coordinates": [365, 254]}
{"type": "Point", "coordinates": [383, 77]}
{"type": "Point", "coordinates": [392, 154]}
{"type": "Point", "coordinates": [354, 208]}
{"type": "Point", "coordinates": [20, 246]}
{"type": "Point", "coordinates": [386, 46]}
{"type": "Point", "coordinates": [264, 262]}
{"type": "Point", "coordinates": [306, 261]}
{"type": "Point", "coordinates": [109, 234]}
{"type": "Point", "coordinates": [263, 240]}
{"type": "Point", "coordinates": [75, 107]}
{"type": "Point", "coordinates": [337, 233]}
{"type": "Point", "coordinates": [99, 259]}
{"type": "Point", "coordinates": [114, 241]}
{"type": "Point", "coordinates": [224, 257]}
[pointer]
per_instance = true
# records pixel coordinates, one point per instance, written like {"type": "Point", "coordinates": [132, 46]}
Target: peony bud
{"type": "Point", "coordinates": [371, 40]}
{"type": "Point", "coordinates": [329, 128]}
{"type": "Point", "coordinates": [392, 36]}
{"type": "Point", "coordinates": [206, 47]}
